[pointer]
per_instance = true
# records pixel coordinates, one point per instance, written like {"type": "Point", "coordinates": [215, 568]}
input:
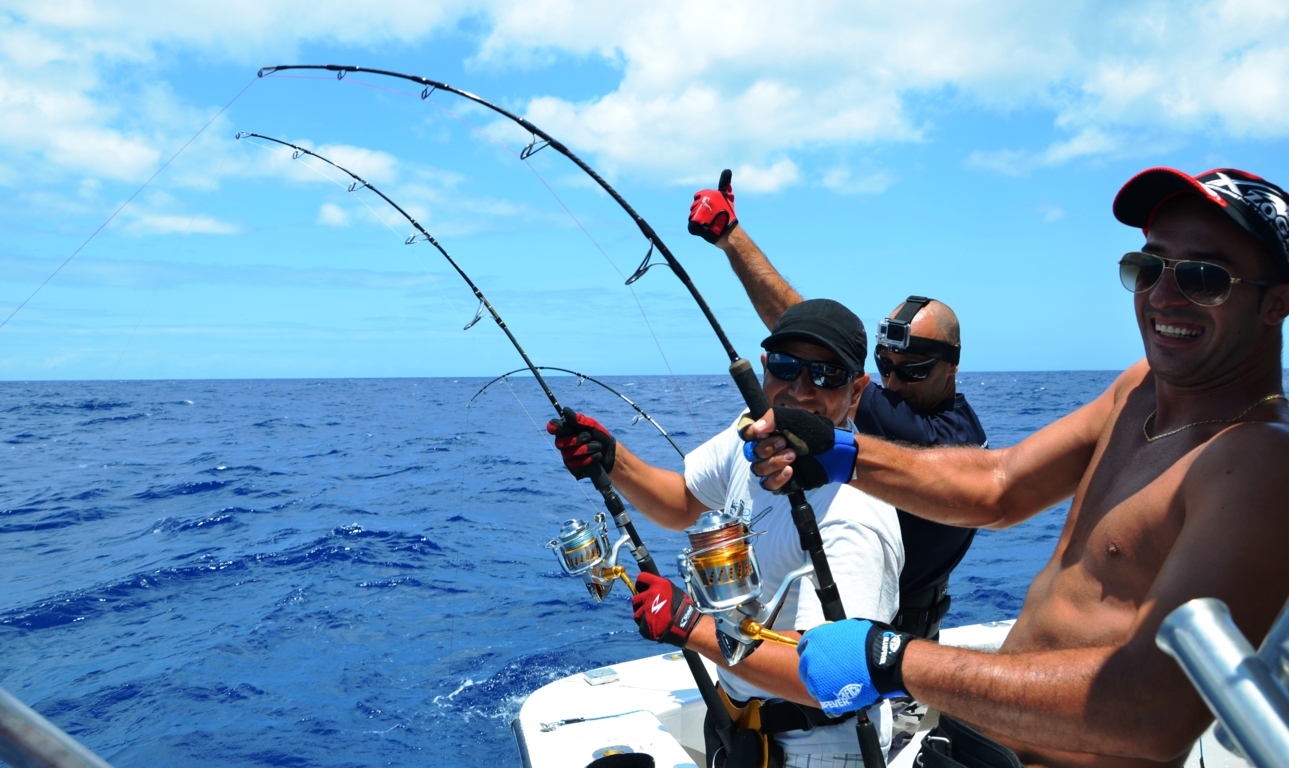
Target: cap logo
{"type": "Point", "coordinates": [1262, 198]}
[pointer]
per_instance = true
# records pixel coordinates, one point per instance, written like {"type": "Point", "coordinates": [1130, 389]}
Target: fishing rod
{"type": "Point", "coordinates": [740, 370]}
{"type": "Point", "coordinates": [581, 377]}
{"type": "Point", "coordinates": [601, 479]}
{"type": "Point", "coordinates": [581, 547]}
{"type": "Point", "coordinates": [803, 516]}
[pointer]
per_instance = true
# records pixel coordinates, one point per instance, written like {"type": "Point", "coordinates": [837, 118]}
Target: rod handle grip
{"type": "Point", "coordinates": [748, 386]}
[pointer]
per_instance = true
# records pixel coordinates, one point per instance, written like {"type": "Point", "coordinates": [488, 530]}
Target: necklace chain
{"type": "Point", "coordinates": [1171, 432]}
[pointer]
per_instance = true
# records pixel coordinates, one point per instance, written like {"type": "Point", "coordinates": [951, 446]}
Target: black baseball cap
{"type": "Point", "coordinates": [825, 323]}
{"type": "Point", "coordinates": [1255, 204]}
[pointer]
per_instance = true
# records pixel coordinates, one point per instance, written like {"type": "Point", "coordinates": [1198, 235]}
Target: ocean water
{"type": "Point", "coordinates": [350, 572]}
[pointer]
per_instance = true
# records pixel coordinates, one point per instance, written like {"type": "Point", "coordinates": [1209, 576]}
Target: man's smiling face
{"type": "Point", "coordinates": [1188, 344]}
{"type": "Point", "coordinates": [834, 404]}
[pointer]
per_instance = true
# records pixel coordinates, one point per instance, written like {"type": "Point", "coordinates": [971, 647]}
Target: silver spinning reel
{"type": "Point", "coordinates": [582, 549]}
{"type": "Point", "coordinates": [723, 579]}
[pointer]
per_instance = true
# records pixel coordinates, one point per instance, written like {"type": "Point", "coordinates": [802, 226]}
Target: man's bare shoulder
{"type": "Point", "coordinates": [1243, 465]}
{"type": "Point", "coordinates": [1129, 380]}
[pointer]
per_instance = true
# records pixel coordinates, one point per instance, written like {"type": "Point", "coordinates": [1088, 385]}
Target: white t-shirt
{"type": "Point", "coordinates": [861, 538]}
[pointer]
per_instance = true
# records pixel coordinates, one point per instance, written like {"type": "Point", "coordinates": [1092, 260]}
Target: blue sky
{"type": "Point", "coordinates": [966, 151]}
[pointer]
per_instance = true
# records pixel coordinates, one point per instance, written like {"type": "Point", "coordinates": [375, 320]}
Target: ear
{"type": "Point", "coordinates": [1275, 304]}
{"type": "Point", "coordinates": [858, 386]}
{"type": "Point", "coordinates": [764, 372]}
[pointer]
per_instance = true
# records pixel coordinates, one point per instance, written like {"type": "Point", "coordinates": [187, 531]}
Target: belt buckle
{"type": "Point", "coordinates": [941, 745]}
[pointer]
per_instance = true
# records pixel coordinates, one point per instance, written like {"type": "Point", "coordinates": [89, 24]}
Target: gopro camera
{"type": "Point", "coordinates": [895, 333]}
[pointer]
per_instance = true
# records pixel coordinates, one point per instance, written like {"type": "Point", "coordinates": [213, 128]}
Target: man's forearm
{"type": "Point", "coordinates": [659, 494]}
{"type": "Point", "coordinates": [1081, 700]}
{"type": "Point", "coordinates": [771, 295]}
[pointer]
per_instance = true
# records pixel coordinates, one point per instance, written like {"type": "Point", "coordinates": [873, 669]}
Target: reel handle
{"type": "Point", "coordinates": [753, 629]}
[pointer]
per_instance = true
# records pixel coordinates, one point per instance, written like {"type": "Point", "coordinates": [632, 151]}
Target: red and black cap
{"type": "Point", "coordinates": [1258, 206]}
{"type": "Point", "coordinates": [825, 323]}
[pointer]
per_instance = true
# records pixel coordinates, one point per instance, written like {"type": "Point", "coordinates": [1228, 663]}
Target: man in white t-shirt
{"type": "Point", "coordinates": [814, 360]}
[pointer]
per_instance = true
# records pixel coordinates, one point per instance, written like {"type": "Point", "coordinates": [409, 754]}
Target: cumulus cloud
{"type": "Point", "coordinates": [763, 84]}
{"type": "Point", "coordinates": [155, 224]}
{"type": "Point", "coordinates": [332, 215]}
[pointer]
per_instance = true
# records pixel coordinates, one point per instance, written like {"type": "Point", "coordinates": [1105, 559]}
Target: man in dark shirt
{"type": "Point", "coordinates": [917, 402]}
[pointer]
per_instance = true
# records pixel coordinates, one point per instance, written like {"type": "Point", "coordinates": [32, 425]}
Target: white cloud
{"type": "Point", "coordinates": [332, 215]}
{"type": "Point", "coordinates": [758, 85]}
{"type": "Point", "coordinates": [840, 179]}
{"type": "Point", "coordinates": [1051, 213]}
{"type": "Point", "coordinates": [161, 224]}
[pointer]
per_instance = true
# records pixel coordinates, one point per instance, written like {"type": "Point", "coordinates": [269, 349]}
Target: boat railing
{"type": "Point", "coordinates": [28, 740]}
{"type": "Point", "coordinates": [1248, 692]}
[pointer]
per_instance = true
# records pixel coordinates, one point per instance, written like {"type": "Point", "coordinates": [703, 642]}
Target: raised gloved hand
{"type": "Point", "coordinates": [712, 214]}
{"type": "Point", "coordinates": [583, 442]}
{"type": "Point", "coordinates": [825, 454]}
{"type": "Point", "coordinates": [663, 610]}
{"type": "Point", "coordinates": [852, 664]}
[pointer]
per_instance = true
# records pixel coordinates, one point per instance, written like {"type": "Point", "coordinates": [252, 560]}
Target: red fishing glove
{"type": "Point", "coordinates": [712, 214]}
{"type": "Point", "coordinates": [663, 610]}
{"type": "Point", "coordinates": [583, 442]}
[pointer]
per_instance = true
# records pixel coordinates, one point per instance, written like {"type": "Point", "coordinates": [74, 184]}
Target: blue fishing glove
{"type": "Point", "coordinates": [825, 454]}
{"type": "Point", "coordinates": [852, 664]}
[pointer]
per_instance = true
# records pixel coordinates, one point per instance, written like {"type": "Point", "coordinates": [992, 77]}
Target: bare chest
{"type": "Point", "coordinates": [1124, 520]}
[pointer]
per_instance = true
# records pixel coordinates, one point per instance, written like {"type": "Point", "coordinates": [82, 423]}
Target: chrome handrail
{"type": "Point", "coordinates": [28, 740]}
{"type": "Point", "coordinates": [1245, 691]}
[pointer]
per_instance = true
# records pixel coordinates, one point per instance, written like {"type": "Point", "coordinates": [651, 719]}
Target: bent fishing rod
{"type": "Point", "coordinates": [612, 502]}
{"type": "Point", "coordinates": [803, 516]}
{"type": "Point", "coordinates": [601, 479]}
{"type": "Point", "coordinates": [740, 370]}
{"type": "Point", "coordinates": [581, 377]}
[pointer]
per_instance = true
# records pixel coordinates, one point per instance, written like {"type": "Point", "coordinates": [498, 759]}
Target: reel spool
{"type": "Point", "coordinates": [723, 579]}
{"type": "Point", "coordinates": [582, 549]}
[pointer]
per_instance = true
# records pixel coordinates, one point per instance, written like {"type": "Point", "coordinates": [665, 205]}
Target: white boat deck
{"type": "Point", "coordinates": [651, 705]}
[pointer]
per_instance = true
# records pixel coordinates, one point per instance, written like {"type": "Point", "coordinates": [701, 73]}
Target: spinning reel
{"type": "Point", "coordinates": [581, 551]}
{"type": "Point", "coordinates": [723, 579]}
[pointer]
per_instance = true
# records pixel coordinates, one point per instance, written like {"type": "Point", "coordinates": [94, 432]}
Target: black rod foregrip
{"type": "Point", "coordinates": [613, 503]}
{"type": "Point", "coordinates": [803, 515]}
{"type": "Point", "coordinates": [749, 387]}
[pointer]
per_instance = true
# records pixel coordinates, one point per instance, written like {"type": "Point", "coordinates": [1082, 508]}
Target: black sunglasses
{"type": "Point", "coordinates": [823, 375]}
{"type": "Point", "coordinates": [1201, 282]}
{"type": "Point", "coordinates": [908, 372]}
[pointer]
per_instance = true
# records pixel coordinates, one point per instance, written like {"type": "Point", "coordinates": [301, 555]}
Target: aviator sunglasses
{"type": "Point", "coordinates": [1200, 282]}
{"type": "Point", "coordinates": [908, 373]}
{"type": "Point", "coordinates": [823, 375]}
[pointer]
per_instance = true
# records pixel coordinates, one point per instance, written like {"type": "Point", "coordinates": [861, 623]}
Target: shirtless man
{"type": "Point", "coordinates": [1178, 479]}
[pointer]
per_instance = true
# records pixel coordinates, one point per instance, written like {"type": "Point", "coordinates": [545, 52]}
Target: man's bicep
{"type": "Point", "coordinates": [1046, 467]}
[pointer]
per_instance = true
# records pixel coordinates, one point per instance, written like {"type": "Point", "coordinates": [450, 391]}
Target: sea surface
{"type": "Point", "coordinates": [351, 572]}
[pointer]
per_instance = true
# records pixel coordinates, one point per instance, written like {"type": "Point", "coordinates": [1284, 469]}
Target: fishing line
{"type": "Point", "coordinates": [127, 202]}
{"type": "Point", "coordinates": [219, 172]}
{"type": "Point", "coordinates": [740, 370]}
{"type": "Point", "coordinates": [523, 157]}
{"type": "Point", "coordinates": [745, 378]}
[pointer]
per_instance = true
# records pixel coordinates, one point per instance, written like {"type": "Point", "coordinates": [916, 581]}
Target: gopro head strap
{"type": "Point", "coordinates": [896, 334]}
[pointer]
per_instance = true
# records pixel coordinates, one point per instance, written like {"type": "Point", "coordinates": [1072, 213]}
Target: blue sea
{"type": "Point", "coordinates": [351, 572]}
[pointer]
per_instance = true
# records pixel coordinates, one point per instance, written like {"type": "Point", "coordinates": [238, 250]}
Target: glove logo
{"type": "Point", "coordinates": [845, 696]}
{"type": "Point", "coordinates": [658, 604]}
{"type": "Point", "coordinates": [891, 643]}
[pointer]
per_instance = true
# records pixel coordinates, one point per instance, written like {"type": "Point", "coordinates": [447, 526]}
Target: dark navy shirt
{"type": "Point", "coordinates": [931, 550]}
